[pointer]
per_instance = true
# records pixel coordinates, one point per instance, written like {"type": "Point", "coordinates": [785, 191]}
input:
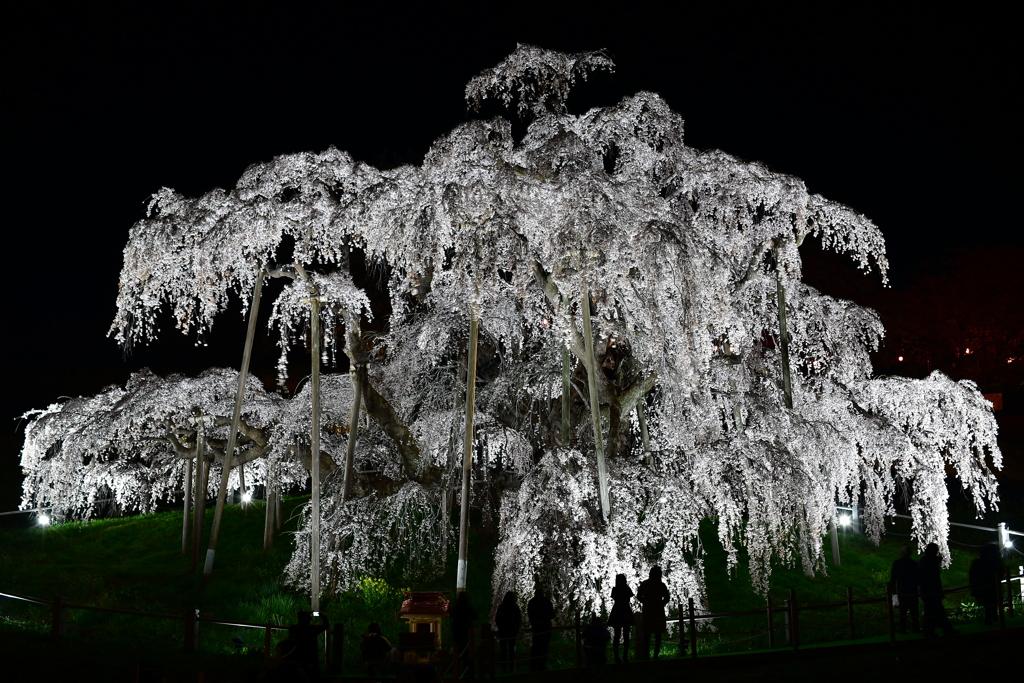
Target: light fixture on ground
{"type": "Point", "coordinates": [44, 520]}
{"type": "Point", "coordinates": [844, 520]}
{"type": "Point", "coordinates": [246, 497]}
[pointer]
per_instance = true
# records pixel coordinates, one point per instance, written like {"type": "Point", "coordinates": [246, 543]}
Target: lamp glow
{"type": "Point", "coordinates": [1008, 545]}
{"type": "Point", "coordinates": [246, 497]}
{"type": "Point", "coordinates": [844, 520]}
{"type": "Point", "coordinates": [44, 520]}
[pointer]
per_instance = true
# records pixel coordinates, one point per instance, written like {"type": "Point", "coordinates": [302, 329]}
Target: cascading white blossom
{"type": "Point", "coordinates": [683, 257]}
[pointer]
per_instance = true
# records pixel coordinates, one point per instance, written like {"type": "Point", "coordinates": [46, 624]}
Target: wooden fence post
{"type": "Point", "coordinates": [693, 629]}
{"type": "Point", "coordinates": [794, 624]}
{"type": "Point", "coordinates": [849, 610]}
{"type": "Point", "coordinates": [1009, 591]}
{"type": "Point", "coordinates": [59, 618]}
{"type": "Point", "coordinates": [338, 649]}
{"type": "Point", "coordinates": [191, 630]}
{"type": "Point", "coordinates": [579, 643]}
{"type": "Point", "coordinates": [682, 633]}
{"type": "Point", "coordinates": [771, 625]}
{"type": "Point", "coordinates": [889, 610]}
{"type": "Point", "coordinates": [266, 647]}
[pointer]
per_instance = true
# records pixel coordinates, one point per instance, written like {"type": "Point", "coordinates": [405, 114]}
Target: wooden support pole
{"type": "Point", "coordinates": [278, 512]}
{"type": "Point", "coordinates": [191, 630]}
{"type": "Point", "coordinates": [794, 623]}
{"type": "Point", "coordinates": [58, 618]}
{"type": "Point", "coordinates": [266, 646]}
{"type": "Point", "coordinates": [358, 372]}
{"type": "Point", "coordinates": [566, 396]}
{"type": "Point", "coordinates": [1009, 591]}
{"type": "Point", "coordinates": [889, 612]}
{"type": "Point", "coordinates": [579, 641]}
{"type": "Point", "coordinates": [849, 611]}
{"type": "Point", "coordinates": [682, 632]}
{"type": "Point", "coordinates": [229, 450]}
{"type": "Point", "coordinates": [186, 523]}
{"type": "Point", "coordinates": [693, 628]}
{"type": "Point", "coordinates": [241, 481]}
{"type": "Point", "coordinates": [771, 625]}
{"type": "Point", "coordinates": [595, 408]}
{"type": "Point", "coordinates": [645, 438]}
{"type": "Point", "coordinates": [199, 507]}
{"type": "Point", "coordinates": [314, 322]}
{"type": "Point", "coordinates": [780, 292]}
{"type": "Point", "coordinates": [268, 514]}
{"type": "Point", "coordinates": [833, 534]}
{"type": "Point", "coordinates": [467, 453]}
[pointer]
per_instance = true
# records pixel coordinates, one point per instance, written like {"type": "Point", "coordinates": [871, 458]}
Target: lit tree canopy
{"type": "Point", "coordinates": [714, 403]}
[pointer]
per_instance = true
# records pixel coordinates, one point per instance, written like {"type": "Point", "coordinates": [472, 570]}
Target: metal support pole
{"type": "Point", "coordinates": [314, 321]}
{"type": "Point", "coordinates": [595, 407]}
{"type": "Point", "coordinates": [229, 450]}
{"type": "Point", "coordinates": [834, 535]}
{"type": "Point", "coordinates": [467, 452]}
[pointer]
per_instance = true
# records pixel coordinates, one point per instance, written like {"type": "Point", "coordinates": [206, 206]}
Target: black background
{"type": "Point", "coordinates": [903, 114]}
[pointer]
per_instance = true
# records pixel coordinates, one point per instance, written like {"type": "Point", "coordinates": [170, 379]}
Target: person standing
{"type": "Point", "coordinates": [375, 650]}
{"type": "Point", "coordinates": [305, 635]}
{"type": "Point", "coordinates": [653, 596]}
{"type": "Point", "coordinates": [986, 575]}
{"type": "Point", "coordinates": [540, 612]}
{"type": "Point", "coordinates": [621, 617]}
{"type": "Point", "coordinates": [905, 577]}
{"type": "Point", "coordinates": [595, 641]}
{"type": "Point", "coordinates": [932, 594]}
{"type": "Point", "coordinates": [508, 618]}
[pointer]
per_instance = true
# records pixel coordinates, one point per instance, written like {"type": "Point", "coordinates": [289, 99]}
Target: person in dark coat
{"type": "Point", "coordinates": [595, 642]}
{"type": "Point", "coordinates": [621, 617]}
{"type": "Point", "coordinates": [930, 568]}
{"type": "Point", "coordinates": [653, 596]}
{"type": "Point", "coordinates": [307, 648]}
{"type": "Point", "coordinates": [375, 650]}
{"type": "Point", "coordinates": [904, 577]}
{"type": "Point", "coordinates": [508, 618]}
{"type": "Point", "coordinates": [463, 616]}
{"type": "Point", "coordinates": [985, 577]}
{"type": "Point", "coordinates": [540, 612]}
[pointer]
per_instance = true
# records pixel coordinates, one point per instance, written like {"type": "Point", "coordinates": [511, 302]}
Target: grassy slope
{"type": "Point", "coordinates": [135, 563]}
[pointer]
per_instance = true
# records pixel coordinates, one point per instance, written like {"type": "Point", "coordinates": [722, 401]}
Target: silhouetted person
{"type": "Point", "coordinates": [595, 641]}
{"type": "Point", "coordinates": [985, 577]}
{"type": "Point", "coordinates": [375, 649]}
{"type": "Point", "coordinates": [621, 618]}
{"type": "Point", "coordinates": [307, 648]}
{"type": "Point", "coordinates": [540, 612]}
{"type": "Point", "coordinates": [905, 576]}
{"type": "Point", "coordinates": [288, 668]}
{"type": "Point", "coordinates": [653, 596]}
{"type": "Point", "coordinates": [932, 594]}
{"type": "Point", "coordinates": [508, 618]}
{"type": "Point", "coordinates": [463, 616]}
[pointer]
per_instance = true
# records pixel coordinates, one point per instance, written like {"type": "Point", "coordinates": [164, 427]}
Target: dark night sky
{"type": "Point", "coordinates": [904, 116]}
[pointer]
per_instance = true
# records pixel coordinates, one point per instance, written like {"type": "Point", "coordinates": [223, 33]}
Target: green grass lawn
{"type": "Point", "coordinates": [135, 563]}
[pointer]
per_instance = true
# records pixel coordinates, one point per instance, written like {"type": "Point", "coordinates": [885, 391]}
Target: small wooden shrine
{"type": "Point", "coordinates": [423, 610]}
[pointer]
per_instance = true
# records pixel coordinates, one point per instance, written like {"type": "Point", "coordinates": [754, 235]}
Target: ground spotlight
{"type": "Point", "coordinates": [44, 520]}
{"type": "Point", "coordinates": [844, 520]}
{"type": "Point", "coordinates": [246, 497]}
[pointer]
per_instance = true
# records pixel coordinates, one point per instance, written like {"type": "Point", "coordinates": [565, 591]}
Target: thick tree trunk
{"type": "Point", "coordinates": [467, 454]}
{"type": "Point", "coordinates": [229, 450]}
{"type": "Point", "coordinates": [595, 408]}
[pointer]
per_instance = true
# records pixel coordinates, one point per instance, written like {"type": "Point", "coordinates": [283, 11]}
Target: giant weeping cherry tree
{"type": "Point", "coordinates": [647, 355]}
